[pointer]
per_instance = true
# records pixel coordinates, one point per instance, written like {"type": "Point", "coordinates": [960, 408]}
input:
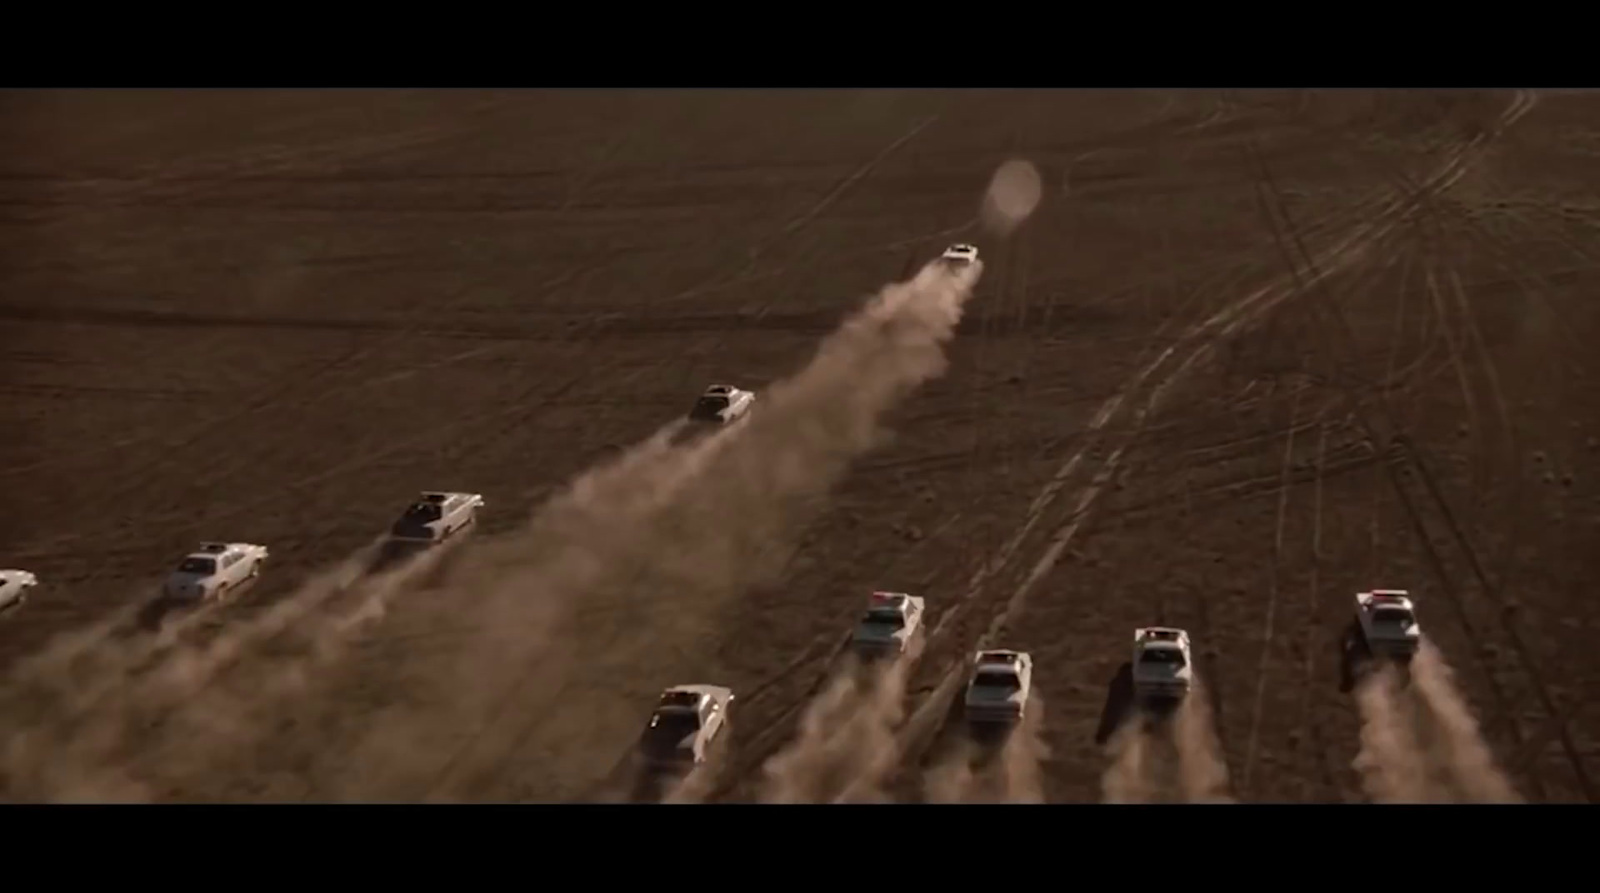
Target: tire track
{"type": "Point", "coordinates": [1395, 434]}
{"type": "Point", "coordinates": [1269, 620]}
{"type": "Point", "coordinates": [1231, 318]}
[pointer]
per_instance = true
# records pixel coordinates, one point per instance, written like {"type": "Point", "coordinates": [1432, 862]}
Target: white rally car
{"type": "Point", "coordinates": [1162, 664]}
{"type": "Point", "coordinates": [722, 404]}
{"type": "Point", "coordinates": [999, 688]}
{"type": "Point", "coordinates": [960, 255]}
{"type": "Point", "coordinates": [435, 516]}
{"type": "Point", "coordinates": [14, 586]}
{"type": "Point", "coordinates": [893, 622]}
{"type": "Point", "coordinates": [215, 570]}
{"type": "Point", "coordinates": [687, 721]}
{"type": "Point", "coordinates": [1388, 620]}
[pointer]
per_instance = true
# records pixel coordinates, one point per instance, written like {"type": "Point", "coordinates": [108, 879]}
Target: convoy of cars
{"type": "Point", "coordinates": [689, 721]}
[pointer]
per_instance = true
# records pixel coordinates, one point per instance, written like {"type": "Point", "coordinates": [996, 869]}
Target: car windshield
{"type": "Point", "coordinates": [997, 683]}
{"type": "Point", "coordinates": [205, 566]}
{"type": "Point", "coordinates": [1398, 616]}
{"type": "Point", "coordinates": [423, 513]}
{"type": "Point", "coordinates": [1166, 656]}
{"type": "Point", "coordinates": [885, 617]}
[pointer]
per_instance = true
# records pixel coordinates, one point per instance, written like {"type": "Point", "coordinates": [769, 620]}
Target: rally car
{"type": "Point", "coordinates": [722, 404]}
{"type": "Point", "coordinates": [960, 255]}
{"type": "Point", "coordinates": [999, 688]}
{"type": "Point", "coordinates": [687, 722]}
{"type": "Point", "coordinates": [215, 570]}
{"type": "Point", "coordinates": [892, 622]}
{"type": "Point", "coordinates": [14, 586]}
{"type": "Point", "coordinates": [1162, 664]}
{"type": "Point", "coordinates": [435, 516]}
{"type": "Point", "coordinates": [1388, 622]}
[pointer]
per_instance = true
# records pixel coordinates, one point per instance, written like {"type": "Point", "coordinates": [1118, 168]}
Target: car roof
{"type": "Point", "coordinates": [1157, 636]}
{"type": "Point", "coordinates": [1000, 658]}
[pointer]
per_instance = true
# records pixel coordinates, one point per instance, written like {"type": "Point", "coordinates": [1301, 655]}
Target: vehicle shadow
{"type": "Point", "coordinates": [1118, 705]}
{"type": "Point", "coordinates": [1355, 660]}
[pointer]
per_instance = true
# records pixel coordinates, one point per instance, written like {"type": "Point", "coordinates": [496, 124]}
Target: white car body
{"type": "Point", "coordinates": [1163, 665]}
{"type": "Point", "coordinates": [14, 586]}
{"type": "Point", "coordinates": [1388, 621]}
{"type": "Point", "coordinates": [435, 516]}
{"type": "Point", "coordinates": [1001, 684]}
{"type": "Point", "coordinates": [687, 721]}
{"type": "Point", "coordinates": [722, 404]}
{"type": "Point", "coordinates": [893, 621]}
{"type": "Point", "coordinates": [960, 254]}
{"type": "Point", "coordinates": [214, 570]}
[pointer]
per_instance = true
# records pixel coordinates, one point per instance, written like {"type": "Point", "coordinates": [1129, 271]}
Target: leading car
{"type": "Point", "coordinates": [1388, 622]}
{"type": "Point", "coordinates": [687, 722]}
{"type": "Point", "coordinates": [435, 517]}
{"type": "Point", "coordinates": [722, 404]}
{"type": "Point", "coordinates": [960, 255]}
{"type": "Point", "coordinates": [214, 571]}
{"type": "Point", "coordinates": [14, 586]}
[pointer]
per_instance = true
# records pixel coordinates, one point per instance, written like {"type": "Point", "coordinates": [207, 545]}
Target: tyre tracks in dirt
{"type": "Point", "coordinates": [348, 371]}
{"type": "Point", "coordinates": [1417, 488]}
{"type": "Point", "coordinates": [941, 691]}
{"type": "Point", "coordinates": [1197, 339]}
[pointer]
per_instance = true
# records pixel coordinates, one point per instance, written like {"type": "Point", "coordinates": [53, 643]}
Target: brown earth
{"type": "Point", "coordinates": [1253, 352]}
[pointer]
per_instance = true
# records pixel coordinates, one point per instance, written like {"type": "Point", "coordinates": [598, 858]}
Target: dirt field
{"type": "Point", "coordinates": [1252, 353]}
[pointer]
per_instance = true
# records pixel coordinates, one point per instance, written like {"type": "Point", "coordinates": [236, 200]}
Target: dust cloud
{"type": "Point", "coordinates": [975, 772]}
{"type": "Point", "coordinates": [1419, 741]}
{"type": "Point", "coordinates": [619, 578]}
{"type": "Point", "coordinates": [1147, 747]}
{"type": "Point", "coordinates": [1390, 760]}
{"type": "Point", "coordinates": [1202, 769]}
{"type": "Point", "coordinates": [845, 748]}
{"type": "Point", "coordinates": [80, 738]}
{"type": "Point", "coordinates": [1458, 747]}
{"type": "Point", "coordinates": [1127, 776]}
{"type": "Point", "coordinates": [1013, 194]}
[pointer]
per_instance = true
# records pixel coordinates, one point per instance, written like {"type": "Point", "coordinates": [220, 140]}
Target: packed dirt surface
{"type": "Point", "coordinates": [1228, 359]}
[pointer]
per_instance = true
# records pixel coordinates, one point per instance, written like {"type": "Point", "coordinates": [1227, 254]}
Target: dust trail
{"type": "Point", "coordinates": [174, 723]}
{"type": "Point", "coordinates": [241, 726]}
{"type": "Point", "coordinates": [845, 749]}
{"type": "Point", "coordinates": [637, 589]}
{"type": "Point", "coordinates": [953, 778]}
{"type": "Point", "coordinates": [1127, 778]}
{"type": "Point", "coordinates": [983, 773]}
{"type": "Point", "coordinates": [1202, 769]}
{"type": "Point", "coordinates": [1390, 761]}
{"type": "Point", "coordinates": [1459, 747]}
{"type": "Point", "coordinates": [66, 746]}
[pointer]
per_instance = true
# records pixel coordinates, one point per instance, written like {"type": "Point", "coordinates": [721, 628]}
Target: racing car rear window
{"type": "Point", "coordinates": [424, 512]}
{"type": "Point", "coordinates": [1005, 682]}
{"type": "Point", "coordinates": [885, 618]}
{"type": "Point", "coordinates": [1161, 656]}
{"type": "Point", "coordinates": [1392, 615]}
{"type": "Point", "coordinates": [197, 566]}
